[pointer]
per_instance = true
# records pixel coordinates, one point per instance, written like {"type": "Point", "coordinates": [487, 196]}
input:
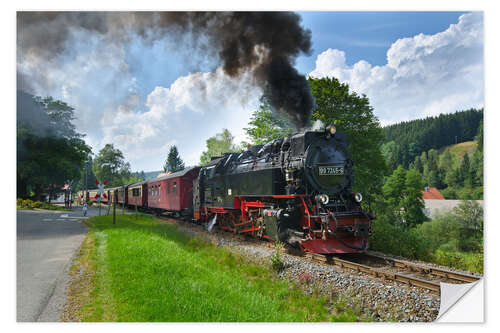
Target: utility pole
{"type": "Point", "coordinates": [70, 195]}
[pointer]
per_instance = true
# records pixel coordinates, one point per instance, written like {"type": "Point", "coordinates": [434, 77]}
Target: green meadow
{"type": "Point", "coordinates": [145, 270]}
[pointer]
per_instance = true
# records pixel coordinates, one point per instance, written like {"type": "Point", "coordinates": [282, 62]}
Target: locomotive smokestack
{"type": "Point", "coordinates": [264, 44]}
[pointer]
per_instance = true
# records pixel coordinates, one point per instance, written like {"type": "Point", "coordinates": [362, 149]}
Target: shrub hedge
{"type": "Point", "coordinates": [29, 204]}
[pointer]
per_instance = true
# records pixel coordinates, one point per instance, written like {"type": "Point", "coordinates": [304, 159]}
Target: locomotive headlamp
{"type": "Point", "coordinates": [358, 197]}
{"type": "Point", "coordinates": [331, 129]}
{"type": "Point", "coordinates": [323, 198]}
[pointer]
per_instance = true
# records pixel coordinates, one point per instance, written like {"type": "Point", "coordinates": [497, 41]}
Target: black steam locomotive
{"type": "Point", "coordinates": [296, 190]}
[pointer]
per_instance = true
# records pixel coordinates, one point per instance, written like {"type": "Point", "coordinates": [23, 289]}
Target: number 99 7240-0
{"type": "Point", "coordinates": [330, 170]}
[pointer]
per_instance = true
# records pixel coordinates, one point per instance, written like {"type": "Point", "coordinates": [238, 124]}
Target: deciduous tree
{"type": "Point", "coordinates": [218, 145]}
{"type": "Point", "coordinates": [110, 165]}
{"type": "Point", "coordinates": [49, 150]}
{"type": "Point", "coordinates": [352, 114]}
{"type": "Point", "coordinates": [265, 125]}
{"type": "Point", "coordinates": [403, 193]}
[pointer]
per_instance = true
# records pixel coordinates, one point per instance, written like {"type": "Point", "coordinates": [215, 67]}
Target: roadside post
{"type": "Point", "coordinates": [114, 210]}
{"type": "Point", "coordinates": [136, 210]}
{"type": "Point", "coordinates": [100, 193]}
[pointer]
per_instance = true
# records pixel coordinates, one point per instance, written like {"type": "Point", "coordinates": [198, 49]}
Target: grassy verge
{"type": "Point", "coordinates": [467, 261]}
{"type": "Point", "coordinates": [145, 270]}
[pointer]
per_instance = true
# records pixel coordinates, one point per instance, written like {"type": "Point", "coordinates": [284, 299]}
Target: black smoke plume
{"type": "Point", "coordinates": [265, 44]}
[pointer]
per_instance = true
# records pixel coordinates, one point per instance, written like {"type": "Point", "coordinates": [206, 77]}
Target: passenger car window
{"type": "Point", "coordinates": [175, 187]}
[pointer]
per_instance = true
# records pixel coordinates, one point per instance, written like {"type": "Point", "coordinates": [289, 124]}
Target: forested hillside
{"type": "Point", "coordinates": [446, 150]}
{"type": "Point", "coordinates": [407, 140]}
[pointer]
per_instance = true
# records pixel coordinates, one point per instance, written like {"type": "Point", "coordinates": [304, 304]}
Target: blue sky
{"type": "Point", "coordinates": [368, 35]}
{"type": "Point", "coordinates": [145, 97]}
{"type": "Point", "coordinates": [361, 35]}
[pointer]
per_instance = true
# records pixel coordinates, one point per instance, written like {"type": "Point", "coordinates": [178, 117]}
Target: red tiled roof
{"type": "Point", "coordinates": [432, 193]}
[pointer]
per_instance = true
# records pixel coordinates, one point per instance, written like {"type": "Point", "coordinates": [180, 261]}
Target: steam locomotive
{"type": "Point", "coordinates": [297, 190]}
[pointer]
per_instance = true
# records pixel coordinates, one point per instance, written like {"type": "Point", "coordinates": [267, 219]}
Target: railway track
{"type": "Point", "coordinates": [376, 265]}
{"type": "Point", "coordinates": [388, 268]}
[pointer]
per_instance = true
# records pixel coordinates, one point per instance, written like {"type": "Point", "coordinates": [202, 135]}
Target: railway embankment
{"type": "Point", "coordinates": [374, 298]}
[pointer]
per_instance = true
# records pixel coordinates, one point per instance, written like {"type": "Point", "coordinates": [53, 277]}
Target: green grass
{"type": "Point", "coordinates": [458, 151]}
{"type": "Point", "coordinates": [147, 270]}
{"type": "Point", "coordinates": [467, 261]}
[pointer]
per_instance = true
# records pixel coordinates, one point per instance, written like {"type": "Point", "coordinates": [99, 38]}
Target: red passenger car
{"type": "Point", "coordinates": [122, 195]}
{"type": "Point", "coordinates": [92, 195]}
{"type": "Point", "coordinates": [112, 194]}
{"type": "Point", "coordinates": [173, 192]}
{"type": "Point", "coordinates": [138, 194]}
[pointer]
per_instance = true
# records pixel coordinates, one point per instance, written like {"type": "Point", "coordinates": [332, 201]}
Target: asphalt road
{"type": "Point", "coordinates": [46, 243]}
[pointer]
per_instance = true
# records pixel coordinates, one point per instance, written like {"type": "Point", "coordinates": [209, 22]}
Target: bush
{"type": "Point", "coordinates": [49, 206]}
{"type": "Point", "coordinates": [37, 204]}
{"type": "Point", "coordinates": [27, 203]}
{"type": "Point", "coordinates": [394, 239]}
{"type": "Point", "coordinates": [439, 230]}
{"type": "Point", "coordinates": [467, 261]}
{"type": "Point", "coordinates": [470, 241]}
{"type": "Point", "coordinates": [452, 239]}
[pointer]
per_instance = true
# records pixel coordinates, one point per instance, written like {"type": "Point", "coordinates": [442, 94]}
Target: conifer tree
{"type": "Point", "coordinates": [174, 162]}
{"type": "Point", "coordinates": [465, 171]}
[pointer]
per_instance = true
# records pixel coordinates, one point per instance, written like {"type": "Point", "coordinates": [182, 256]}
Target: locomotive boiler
{"type": "Point", "coordinates": [297, 190]}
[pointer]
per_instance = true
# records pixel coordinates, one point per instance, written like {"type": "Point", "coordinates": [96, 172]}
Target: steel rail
{"type": "Point", "coordinates": [422, 268]}
{"type": "Point", "coordinates": [396, 276]}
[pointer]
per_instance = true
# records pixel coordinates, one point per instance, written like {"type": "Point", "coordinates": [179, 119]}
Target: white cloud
{"type": "Point", "coordinates": [187, 113]}
{"type": "Point", "coordinates": [425, 75]}
{"type": "Point", "coordinates": [95, 77]}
